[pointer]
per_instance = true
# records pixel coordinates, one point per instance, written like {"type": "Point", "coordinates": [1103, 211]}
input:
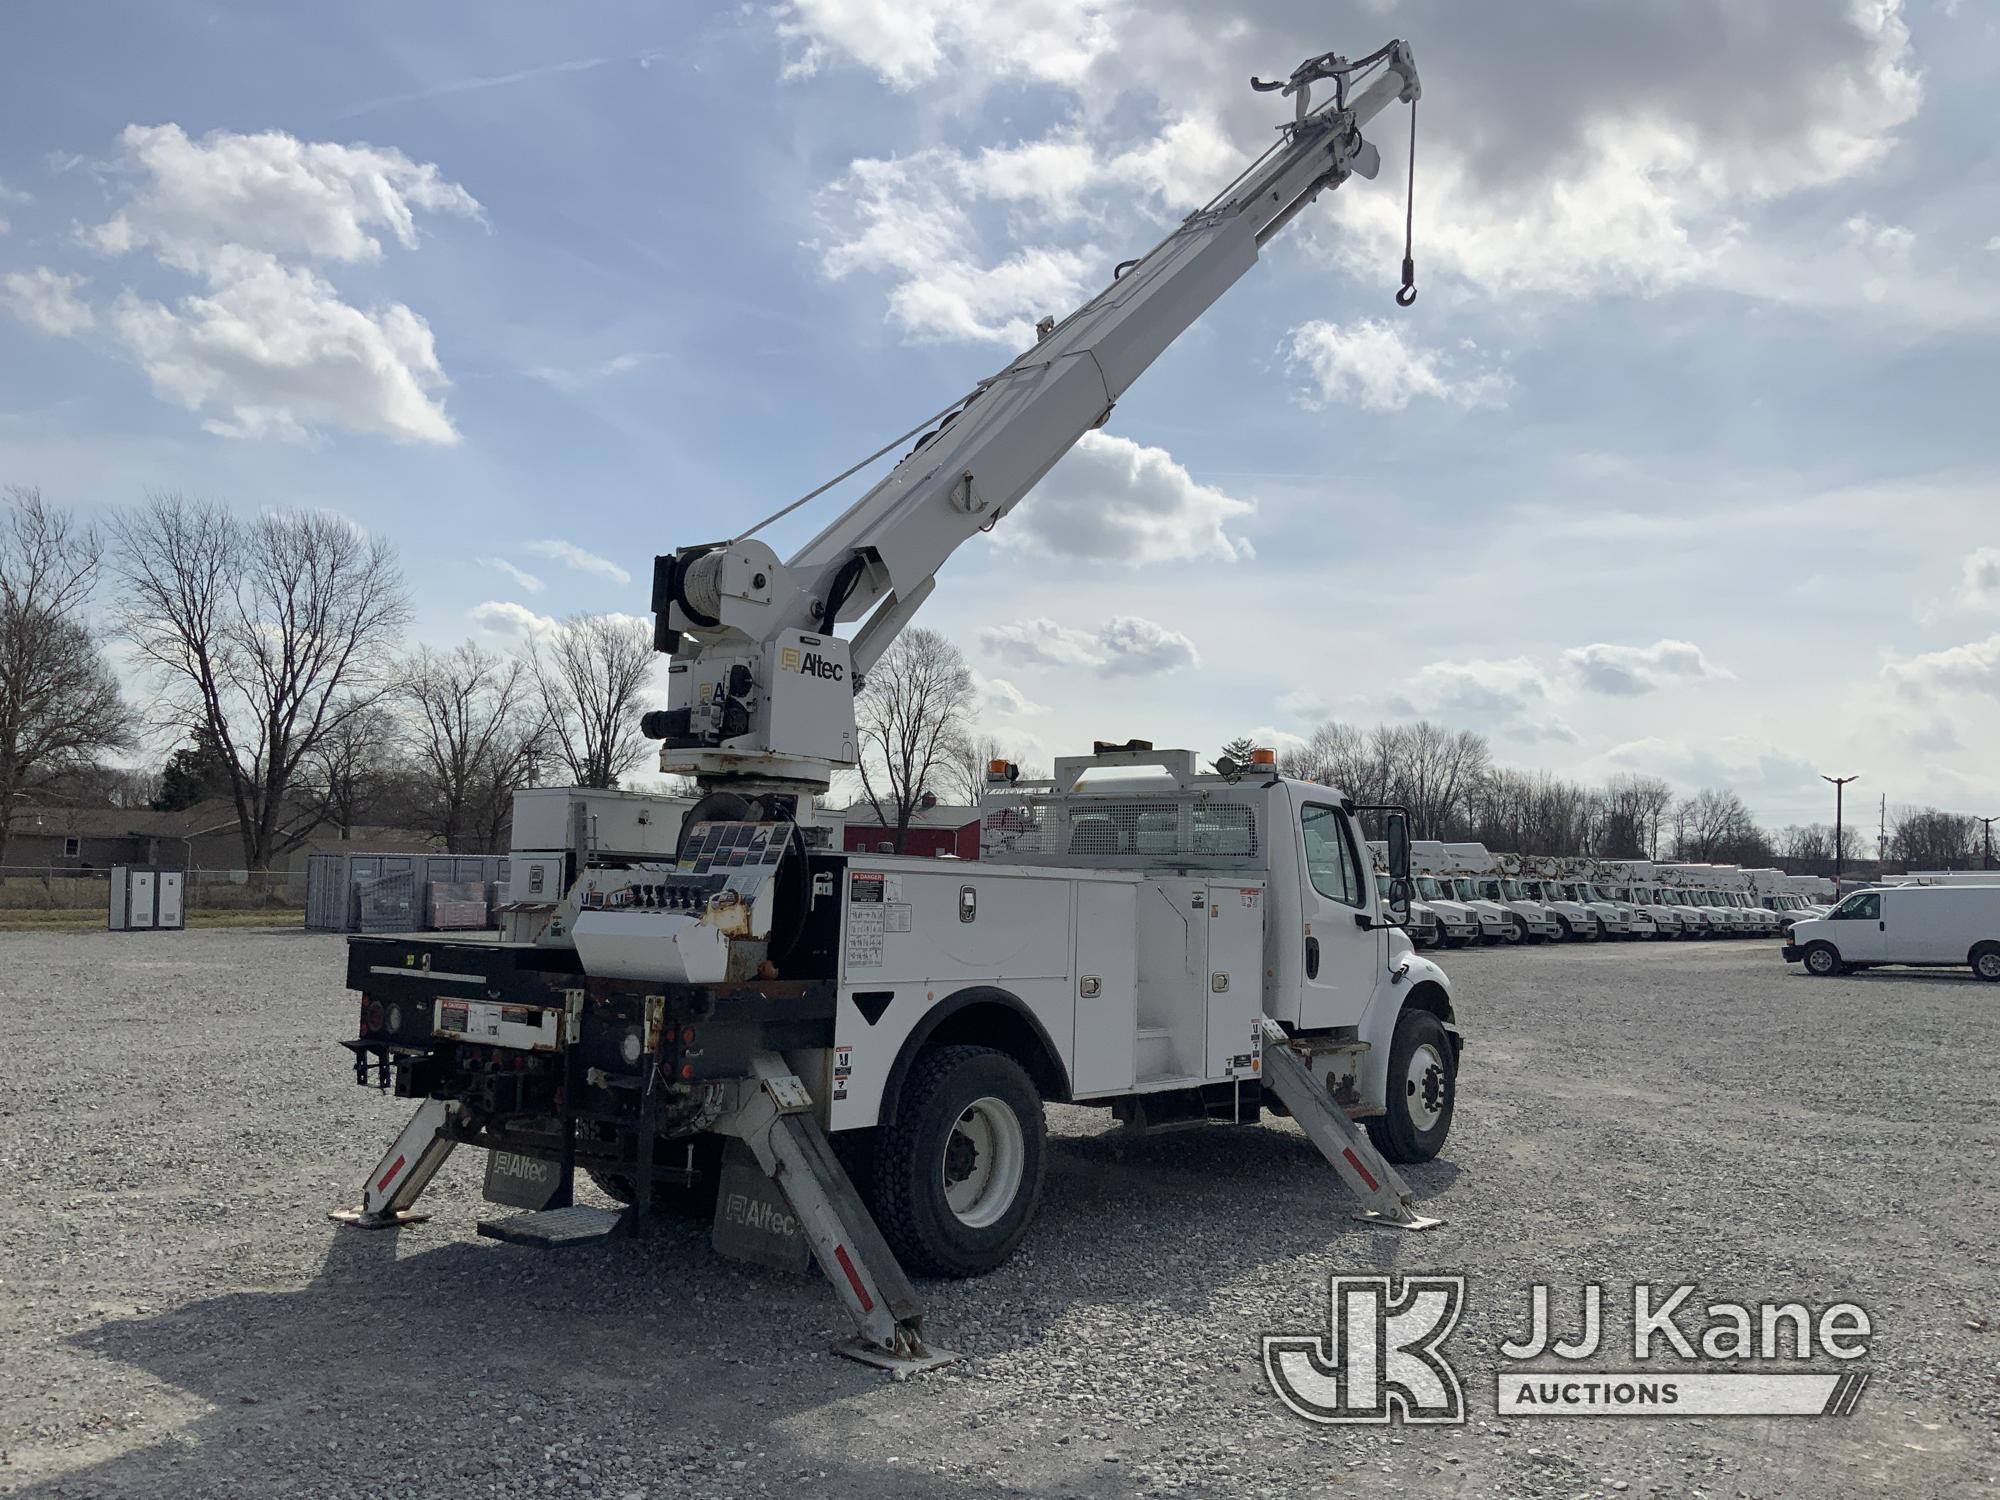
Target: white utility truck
{"type": "Point", "coordinates": [1441, 877]}
{"type": "Point", "coordinates": [1578, 880]}
{"type": "Point", "coordinates": [1432, 925]}
{"type": "Point", "coordinates": [1637, 881]}
{"type": "Point", "coordinates": [1922, 925]}
{"type": "Point", "coordinates": [1489, 881]}
{"type": "Point", "coordinates": [1174, 946]}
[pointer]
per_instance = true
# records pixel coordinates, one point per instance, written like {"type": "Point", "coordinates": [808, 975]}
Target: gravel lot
{"type": "Point", "coordinates": [177, 1316]}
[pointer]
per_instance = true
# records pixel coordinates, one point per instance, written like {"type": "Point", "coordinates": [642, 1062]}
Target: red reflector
{"type": "Point", "coordinates": [687, 1070]}
{"type": "Point", "coordinates": [1366, 1175]}
{"type": "Point", "coordinates": [372, 1016]}
{"type": "Point", "coordinates": [860, 1292]}
{"type": "Point", "coordinates": [390, 1175]}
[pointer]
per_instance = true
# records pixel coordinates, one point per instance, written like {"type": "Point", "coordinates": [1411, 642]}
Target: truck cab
{"type": "Point", "coordinates": [1490, 882]}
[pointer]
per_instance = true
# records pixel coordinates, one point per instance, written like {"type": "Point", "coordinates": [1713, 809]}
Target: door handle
{"type": "Point", "coordinates": [1365, 923]}
{"type": "Point", "coordinates": [1312, 958]}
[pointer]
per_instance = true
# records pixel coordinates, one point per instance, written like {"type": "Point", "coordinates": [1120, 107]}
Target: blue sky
{"type": "Point", "coordinates": [1682, 462]}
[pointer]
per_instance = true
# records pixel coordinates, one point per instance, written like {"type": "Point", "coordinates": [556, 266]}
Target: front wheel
{"type": "Point", "coordinates": [1986, 961]}
{"type": "Point", "coordinates": [958, 1171]}
{"type": "Point", "coordinates": [1822, 961]}
{"type": "Point", "coordinates": [1422, 1090]}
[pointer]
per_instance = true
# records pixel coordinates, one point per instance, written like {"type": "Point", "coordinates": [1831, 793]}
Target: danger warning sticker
{"type": "Point", "coordinates": [865, 885]}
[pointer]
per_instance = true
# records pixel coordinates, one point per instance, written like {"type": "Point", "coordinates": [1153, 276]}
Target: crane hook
{"type": "Point", "coordinates": [1408, 293]}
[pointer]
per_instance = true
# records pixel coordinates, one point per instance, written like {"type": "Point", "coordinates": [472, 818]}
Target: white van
{"type": "Point", "coordinates": [1905, 924]}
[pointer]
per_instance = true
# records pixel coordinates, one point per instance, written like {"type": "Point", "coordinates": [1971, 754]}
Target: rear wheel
{"type": "Point", "coordinates": [1423, 1089]}
{"type": "Point", "coordinates": [1986, 961]}
{"type": "Point", "coordinates": [958, 1172]}
{"type": "Point", "coordinates": [1822, 961]}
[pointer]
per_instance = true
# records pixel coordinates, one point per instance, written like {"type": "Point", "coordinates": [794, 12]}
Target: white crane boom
{"type": "Point", "coordinates": [760, 687]}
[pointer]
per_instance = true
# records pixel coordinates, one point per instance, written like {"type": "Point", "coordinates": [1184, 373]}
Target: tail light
{"type": "Point", "coordinates": [371, 1015]}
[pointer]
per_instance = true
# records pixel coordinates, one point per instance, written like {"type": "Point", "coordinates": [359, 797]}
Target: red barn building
{"type": "Point", "coordinates": [936, 830]}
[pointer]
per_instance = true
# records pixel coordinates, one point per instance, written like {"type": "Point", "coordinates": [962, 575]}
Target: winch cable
{"type": "Point", "coordinates": [853, 469]}
{"type": "Point", "coordinates": [1408, 292]}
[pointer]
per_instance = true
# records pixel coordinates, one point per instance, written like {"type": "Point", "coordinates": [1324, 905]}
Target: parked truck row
{"type": "Point", "coordinates": [1466, 894]}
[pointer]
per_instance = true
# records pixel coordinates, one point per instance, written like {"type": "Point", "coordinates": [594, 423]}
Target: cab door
{"type": "Point", "coordinates": [1343, 947]}
{"type": "Point", "coordinates": [1862, 936]}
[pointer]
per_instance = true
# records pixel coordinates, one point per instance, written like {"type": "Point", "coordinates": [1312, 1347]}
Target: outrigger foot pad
{"type": "Point", "coordinates": [1394, 1221]}
{"type": "Point", "coordinates": [360, 1218]}
{"type": "Point", "coordinates": [918, 1359]}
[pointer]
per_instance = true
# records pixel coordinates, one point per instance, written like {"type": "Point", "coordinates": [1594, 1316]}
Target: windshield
{"type": "Point", "coordinates": [1428, 888]}
{"type": "Point", "coordinates": [1517, 890]}
{"type": "Point", "coordinates": [1465, 889]}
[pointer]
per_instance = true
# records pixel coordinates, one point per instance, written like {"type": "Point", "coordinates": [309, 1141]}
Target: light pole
{"type": "Point", "coordinates": [1986, 863]}
{"type": "Point", "coordinates": [1839, 791]}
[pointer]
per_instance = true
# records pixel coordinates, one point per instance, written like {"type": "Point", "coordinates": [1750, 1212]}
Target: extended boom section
{"type": "Point", "coordinates": [761, 687]}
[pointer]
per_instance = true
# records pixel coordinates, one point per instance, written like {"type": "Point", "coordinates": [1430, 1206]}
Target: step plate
{"type": "Point", "coordinates": [553, 1228]}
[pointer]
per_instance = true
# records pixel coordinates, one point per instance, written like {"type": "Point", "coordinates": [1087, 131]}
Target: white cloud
{"type": "Point", "coordinates": [276, 352]}
{"type": "Point", "coordinates": [1114, 500]}
{"type": "Point", "coordinates": [1971, 668]}
{"type": "Point", "coordinates": [271, 348]}
{"type": "Point", "coordinates": [521, 576]}
{"type": "Point", "coordinates": [510, 621]}
{"type": "Point", "coordinates": [1626, 671]}
{"type": "Point", "coordinates": [1565, 157]}
{"type": "Point", "coordinates": [1136, 647]}
{"type": "Point", "coordinates": [1043, 642]}
{"type": "Point", "coordinates": [1511, 698]}
{"type": "Point", "coordinates": [1269, 737]}
{"type": "Point", "coordinates": [1306, 703]}
{"type": "Point", "coordinates": [1124, 646]}
{"type": "Point", "coordinates": [584, 562]}
{"type": "Point", "coordinates": [1756, 770]}
{"type": "Point", "coordinates": [911, 43]}
{"type": "Point", "coordinates": [269, 191]}
{"type": "Point", "coordinates": [997, 697]}
{"type": "Point", "coordinates": [1373, 365]}
{"type": "Point", "coordinates": [47, 300]}
{"type": "Point", "coordinates": [1979, 581]}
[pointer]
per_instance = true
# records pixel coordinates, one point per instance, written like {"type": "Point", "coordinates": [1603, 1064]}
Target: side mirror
{"type": "Point", "coordinates": [1399, 901]}
{"type": "Point", "coordinates": [1396, 833]}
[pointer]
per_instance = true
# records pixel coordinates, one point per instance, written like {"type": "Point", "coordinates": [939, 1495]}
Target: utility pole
{"type": "Point", "coordinates": [1839, 837]}
{"type": "Point", "coordinates": [1882, 839]}
{"type": "Point", "coordinates": [1986, 862]}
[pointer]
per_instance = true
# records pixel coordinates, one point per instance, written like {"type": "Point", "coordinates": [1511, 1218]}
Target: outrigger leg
{"type": "Point", "coordinates": [775, 1120]}
{"type": "Point", "coordinates": [1386, 1198]}
{"type": "Point", "coordinates": [404, 1171]}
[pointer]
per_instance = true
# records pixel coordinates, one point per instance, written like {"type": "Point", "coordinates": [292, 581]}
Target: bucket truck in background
{"type": "Point", "coordinates": [1435, 923]}
{"type": "Point", "coordinates": [1490, 882]}
{"type": "Point", "coordinates": [1171, 945]}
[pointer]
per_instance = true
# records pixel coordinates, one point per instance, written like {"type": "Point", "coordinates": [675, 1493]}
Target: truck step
{"type": "Point", "coordinates": [553, 1228]}
{"type": "Point", "coordinates": [1153, 1056]}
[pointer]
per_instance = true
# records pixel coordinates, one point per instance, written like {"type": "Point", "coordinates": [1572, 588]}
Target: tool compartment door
{"type": "Point", "coordinates": [1235, 978]}
{"type": "Point", "coordinates": [1107, 988]}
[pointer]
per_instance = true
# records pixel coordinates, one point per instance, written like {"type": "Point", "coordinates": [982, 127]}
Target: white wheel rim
{"type": "Point", "coordinates": [983, 1160]}
{"type": "Point", "coordinates": [1426, 1087]}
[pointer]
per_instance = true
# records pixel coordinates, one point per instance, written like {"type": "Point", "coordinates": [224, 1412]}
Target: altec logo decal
{"type": "Point", "coordinates": [811, 664]}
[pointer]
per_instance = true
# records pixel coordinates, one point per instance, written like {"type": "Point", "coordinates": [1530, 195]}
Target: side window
{"type": "Point", "coordinates": [1331, 864]}
{"type": "Point", "coordinates": [1866, 908]}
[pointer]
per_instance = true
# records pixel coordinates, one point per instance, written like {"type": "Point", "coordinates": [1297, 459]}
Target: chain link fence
{"type": "Point", "coordinates": [28, 888]}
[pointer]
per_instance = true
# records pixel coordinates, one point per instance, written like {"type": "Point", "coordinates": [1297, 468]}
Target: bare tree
{"type": "Point", "coordinates": [266, 634]}
{"type": "Point", "coordinates": [59, 702]}
{"type": "Point", "coordinates": [475, 726]}
{"type": "Point", "coordinates": [1926, 838]}
{"type": "Point", "coordinates": [351, 770]}
{"type": "Point", "coordinates": [589, 673]}
{"type": "Point", "coordinates": [909, 718]}
{"type": "Point", "coordinates": [1714, 826]}
{"type": "Point", "coordinates": [962, 774]}
{"type": "Point", "coordinates": [1633, 808]}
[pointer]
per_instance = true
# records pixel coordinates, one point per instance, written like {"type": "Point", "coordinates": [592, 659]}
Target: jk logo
{"type": "Point", "coordinates": [1380, 1356]}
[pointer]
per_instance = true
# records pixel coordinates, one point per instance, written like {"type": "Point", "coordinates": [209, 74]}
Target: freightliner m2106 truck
{"type": "Point", "coordinates": [873, 1038]}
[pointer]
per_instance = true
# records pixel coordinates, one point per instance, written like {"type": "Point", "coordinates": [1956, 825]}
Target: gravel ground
{"type": "Point", "coordinates": [177, 1316]}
